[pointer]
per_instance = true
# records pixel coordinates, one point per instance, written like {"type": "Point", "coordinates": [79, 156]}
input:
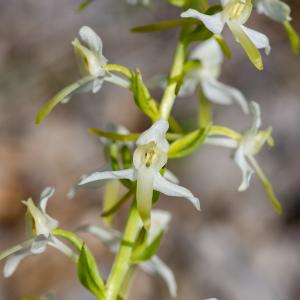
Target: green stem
{"type": "Point", "coordinates": [122, 263]}
{"type": "Point", "coordinates": [174, 77]}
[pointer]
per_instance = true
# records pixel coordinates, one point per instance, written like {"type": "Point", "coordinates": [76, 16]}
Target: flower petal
{"type": "Point", "coordinates": [259, 39]}
{"type": "Point", "coordinates": [156, 266]}
{"type": "Point", "coordinates": [46, 194]}
{"type": "Point", "coordinates": [13, 261]}
{"type": "Point", "coordinates": [156, 133]}
{"type": "Point", "coordinates": [209, 52]}
{"type": "Point", "coordinates": [256, 115]}
{"type": "Point", "coordinates": [247, 171]}
{"type": "Point", "coordinates": [188, 87]}
{"type": "Point", "coordinates": [274, 9]}
{"type": "Point", "coordinates": [160, 220]}
{"type": "Point", "coordinates": [39, 244]}
{"type": "Point", "coordinates": [214, 23]}
{"type": "Point", "coordinates": [91, 39]}
{"type": "Point", "coordinates": [109, 237]}
{"type": "Point", "coordinates": [171, 189]}
{"type": "Point", "coordinates": [220, 93]}
{"type": "Point", "coordinates": [247, 44]}
{"type": "Point", "coordinates": [99, 176]}
{"type": "Point", "coordinates": [97, 84]}
{"type": "Point", "coordinates": [144, 193]}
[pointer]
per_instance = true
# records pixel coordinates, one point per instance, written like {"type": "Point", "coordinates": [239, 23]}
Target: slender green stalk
{"type": "Point", "coordinates": [175, 74]}
{"type": "Point", "coordinates": [122, 263]}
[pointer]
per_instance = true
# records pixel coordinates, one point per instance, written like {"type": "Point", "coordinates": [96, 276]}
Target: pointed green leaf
{"type": "Point", "coordinates": [293, 37]}
{"type": "Point", "coordinates": [250, 49]}
{"type": "Point", "coordinates": [188, 143]}
{"type": "Point", "coordinates": [145, 252]}
{"type": "Point", "coordinates": [88, 273]}
{"type": "Point", "coordinates": [142, 97]}
{"type": "Point", "coordinates": [61, 96]}
{"type": "Point", "coordinates": [163, 25]}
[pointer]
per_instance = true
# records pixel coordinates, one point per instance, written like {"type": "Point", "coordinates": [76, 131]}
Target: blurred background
{"type": "Point", "coordinates": [237, 248]}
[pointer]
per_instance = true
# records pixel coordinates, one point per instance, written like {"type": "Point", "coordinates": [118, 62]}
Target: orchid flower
{"type": "Point", "coordinates": [41, 226]}
{"type": "Point", "coordinates": [149, 157]}
{"type": "Point", "coordinates": [159, 223]}
{"type": "Point", "coordinates": [274, 9]}
{"type": "Point", "coordinates": [246, 148]}
{"type": "Point", "coordinates": [211, 57]}
{"type": "Point", "coordinates": [92, 62]}
{"type": "Point", "coordinates": [235, 14]}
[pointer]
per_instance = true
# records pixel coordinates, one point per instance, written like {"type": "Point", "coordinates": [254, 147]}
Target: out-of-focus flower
{"type": "Point", "coordinates": [235, 14]}
{"type": "Point", "coordinates": [41, 225]}
{"type": "Point", "coordinates": [246, 148]}
{"type": "Point", "coordinates": [274, 9]}
{"type": "Point", "coordinates": [159, 223]}
{"type": "Point", "coordinates": [148, 159]}
{"type": "Point", "coordinates": [206, 74]}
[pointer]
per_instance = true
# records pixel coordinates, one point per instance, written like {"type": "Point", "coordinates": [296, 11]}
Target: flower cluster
{"type": "Point", "coordinates": [137, 162]}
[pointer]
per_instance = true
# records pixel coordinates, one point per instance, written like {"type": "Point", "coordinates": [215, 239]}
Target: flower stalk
{"type": "Point", "coordinates": [122, 262]}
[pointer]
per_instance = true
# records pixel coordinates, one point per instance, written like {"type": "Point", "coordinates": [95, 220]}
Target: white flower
{"type": "Point", "coordinates": [206, 75]}
{"type": "Point", "coordinates": [249, 145]}
{"type": "Point", "coordinates": [274, 9]}
{"type": "Point", "coordinates": [41, 226]}
{"type": "Point", "coordinates": [159, 223]}
{"type": "Point", "coordinates": [235, 14]}
{"type": "Point", "coordinates": [246, 148]}
{"type": "Point", "coordinates": [92, 66]}
{"type": "Point", "coordinates": [149, 157]}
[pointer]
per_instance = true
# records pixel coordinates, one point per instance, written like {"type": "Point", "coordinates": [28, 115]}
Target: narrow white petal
{"type": "Point", "coordinates": [171, 189]}
{"type": "Point", "coordinates": [156, 266]}
{"type": "Point", "coordinates": [247, 171]}
{"type": "Point", "coordinates": [109, 237]}
{"type": "Point", "coordinates": [97, 84]}
{"type": "Point", "coordinates": [160, 220]}
{"type": "Point", "coordinates": [63, 248]}
{"type": "Point", "coordinates": [99, 176]}
{"type": "Point", "coordinates": [259, 39]}
{"type": "Point", "coordinates": [170, 176]}
{"type": "Point", "coordinates": [220, 93]}
{"type": "Point", "coordinates": [39, 244]}
{"type": "Point", "coordinates": [13, 261]}
{"type": "Point", "coordinates": [223, 142]}
{"type": "Point", "coordinates": [46, 194]}
{"type": "Point", "coordinates": [91, 39]}
{"type": "Point", "coordinates": [256, 115]}
{"type": "Point", "coordinates": [156, 133]}
{"type": "Point", "coordinates": [214, 23]}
